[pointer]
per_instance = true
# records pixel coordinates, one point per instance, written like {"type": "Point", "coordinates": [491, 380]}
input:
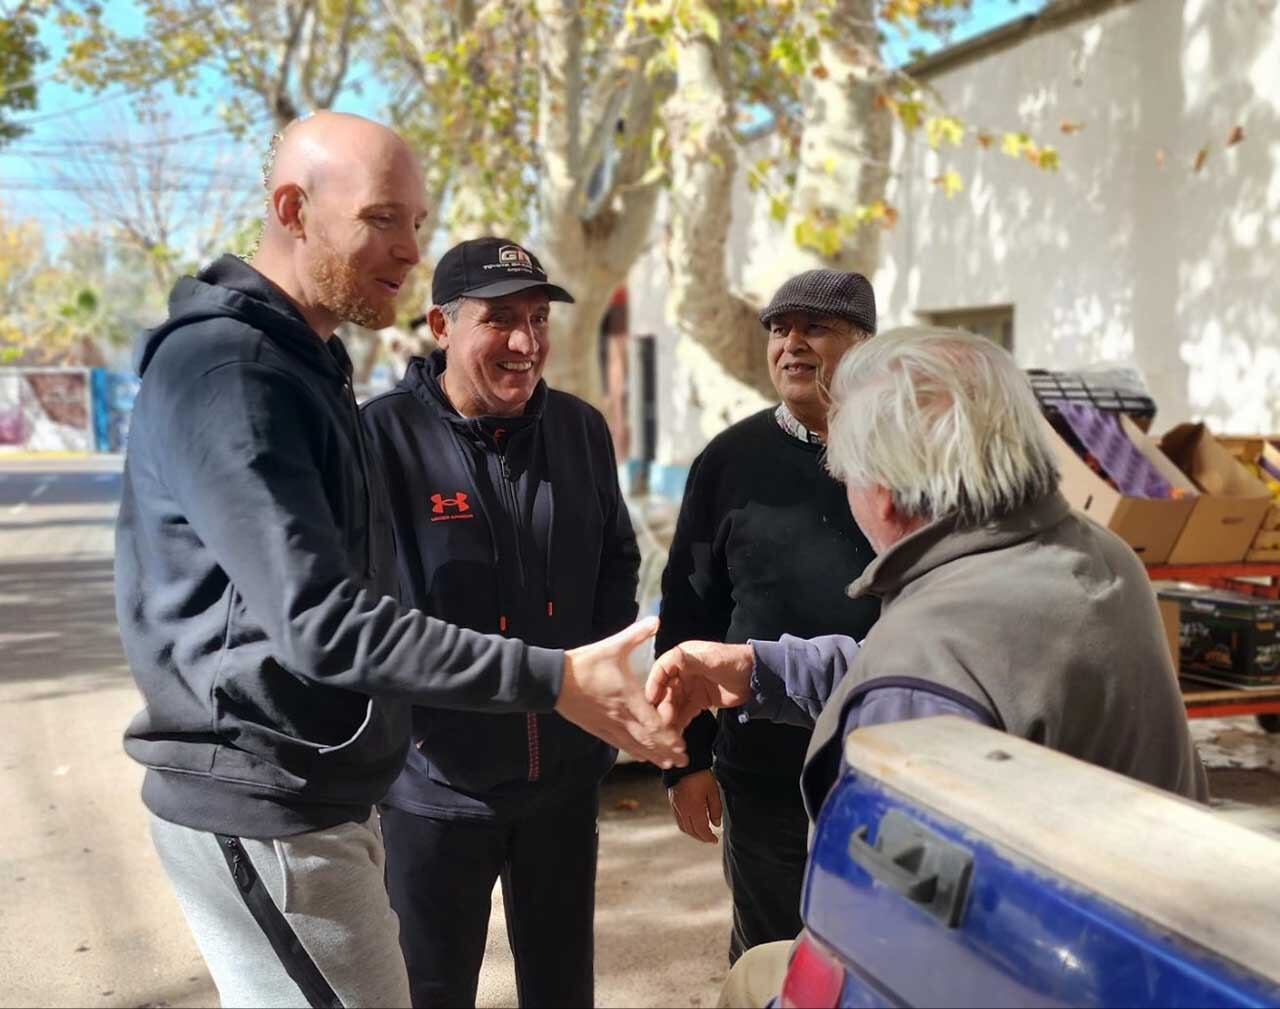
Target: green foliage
{"type": "Point", "coordinates": [94, 294]}
{"type": "Point", "coordinates": [20, 51]}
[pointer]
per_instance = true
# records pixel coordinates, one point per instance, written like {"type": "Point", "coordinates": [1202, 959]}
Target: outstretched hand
{"type": "Point", "coordinates": [698, 675]}
{"type": "Point", "coordinates": [600, 695]}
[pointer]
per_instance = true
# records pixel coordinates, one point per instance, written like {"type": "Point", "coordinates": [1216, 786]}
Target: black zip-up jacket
{"type": "Point", "coordinates": [254, 580]}
{"type": "Point", "coordinates": [508, 525]}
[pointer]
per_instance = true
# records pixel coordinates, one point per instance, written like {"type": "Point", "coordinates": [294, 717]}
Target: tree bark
{"type": "Point", "coordinates": [588, 250]}
{"type": "Point", "coordinates": [845, 146]}
{"type": "Point", "coordinates": [718, 373]}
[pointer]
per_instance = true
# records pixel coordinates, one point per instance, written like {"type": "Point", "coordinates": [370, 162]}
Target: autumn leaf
{"type": "Point", "coordinates": [985, 140]}
{"type": "Point", "coordinates": [950, 182]}
{"type": "Point", "coordinates": [1235, 136]}
{"type": "Point", "coordinates": [821, 72]}
{"type": "Point", "coordinates": [1160, 157]}
{"type": "Point", "coordinates": [944, 129]}
{"type": "Point", "coordinates": [1048, 159]}
{"type": "Point", "coordinates": [1070, 128]}
{"type": "Point", "coordinates": [1202, 156]}
{"type": "Point", "coordinates": [1014, 144]}
{"type": "Point", "coordinates": [911, 114]}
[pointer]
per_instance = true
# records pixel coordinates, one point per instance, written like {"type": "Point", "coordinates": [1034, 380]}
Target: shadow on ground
{"type": "Point", "coordinates": [58, 626]}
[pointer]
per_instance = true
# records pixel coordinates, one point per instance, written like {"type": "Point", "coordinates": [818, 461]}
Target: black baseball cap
{"type": "Point", "coordinates": [490, 268]}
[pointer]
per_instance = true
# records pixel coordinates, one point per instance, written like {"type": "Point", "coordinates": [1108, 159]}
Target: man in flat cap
{"type": "Point", "coordinates": [508, 519]}
{"type": "Point", "coordinates": [764, 546]}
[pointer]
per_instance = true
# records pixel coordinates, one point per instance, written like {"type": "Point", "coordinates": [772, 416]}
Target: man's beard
{"type": "Point", "coordinates": [338, 285]}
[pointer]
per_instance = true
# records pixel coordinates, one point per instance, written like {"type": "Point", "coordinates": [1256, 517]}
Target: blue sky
{"type": "Point", "coordinates": [66, 115]}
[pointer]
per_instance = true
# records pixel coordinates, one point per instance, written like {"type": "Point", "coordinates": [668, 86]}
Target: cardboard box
{"type": "Point", "coordinates": [1266, 541]}
{"type": "Point", "coordinates": [1149, 526]}
{"type": "Point", "coordinates": [1271, 521]}
{"type": "Point", "coordinates": [1271, 556]}
{"type": "Point", "coordinates": [1227, 637]}
{"type": "Point", "coordinates": [1231, 506]}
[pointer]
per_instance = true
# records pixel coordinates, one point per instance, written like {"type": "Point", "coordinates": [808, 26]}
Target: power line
{"type": "Point", "coordinates": [70, 186]}
{"type": "Point", "coordinates": [56, 143]}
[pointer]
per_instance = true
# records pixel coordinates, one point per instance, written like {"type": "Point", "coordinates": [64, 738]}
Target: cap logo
{"type": "Point", "coordinates": [514, 256]}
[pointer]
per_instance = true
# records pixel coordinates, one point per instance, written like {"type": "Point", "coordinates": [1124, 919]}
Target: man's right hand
{"type": "Point", "coordinates": [695, 804]}
{"type": "Point", "coordinates": [600, 695]}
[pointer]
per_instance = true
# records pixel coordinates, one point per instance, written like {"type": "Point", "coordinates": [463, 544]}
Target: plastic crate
{"type": "Point", "coordinates": [1117, 390]}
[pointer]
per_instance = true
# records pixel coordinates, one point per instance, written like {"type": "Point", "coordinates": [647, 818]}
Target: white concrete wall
{"type": "Point", "coordinates": [1124, 255]}
{"type": "Point", "coordinates": [1119, 256]}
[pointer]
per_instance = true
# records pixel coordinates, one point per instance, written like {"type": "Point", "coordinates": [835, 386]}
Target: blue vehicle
{"type": "Point", "coordinates": [953, 865]}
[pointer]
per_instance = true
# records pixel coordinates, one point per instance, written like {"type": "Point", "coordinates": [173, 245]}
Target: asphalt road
{"type": "Point", "coordinates": [88, 918]}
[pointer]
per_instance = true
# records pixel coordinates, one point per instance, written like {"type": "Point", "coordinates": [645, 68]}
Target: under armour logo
{"type": "Point", "coordinates": [446, 508]}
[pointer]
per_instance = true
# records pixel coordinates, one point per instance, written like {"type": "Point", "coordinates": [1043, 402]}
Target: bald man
{"type": "Point", "coordinates": [254, 575]}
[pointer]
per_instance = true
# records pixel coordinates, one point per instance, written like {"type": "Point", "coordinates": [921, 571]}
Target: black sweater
{"type": "Point", "coordinates": [509, 525]}
{"type": "Point", "coordinates": [764, 546]}
{"type": "Point", "coordinates": [254, 577]}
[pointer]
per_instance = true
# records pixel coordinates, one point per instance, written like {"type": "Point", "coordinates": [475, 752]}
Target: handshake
{"type": "Point", "coordinates": [599, 694]}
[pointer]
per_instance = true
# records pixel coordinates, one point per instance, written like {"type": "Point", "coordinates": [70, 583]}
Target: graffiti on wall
{"type": "Point", "coordinates": [45, 410]}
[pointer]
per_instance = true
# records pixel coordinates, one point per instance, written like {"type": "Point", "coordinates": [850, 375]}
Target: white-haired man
{"type": "Point", "coordinates": [999, 604]}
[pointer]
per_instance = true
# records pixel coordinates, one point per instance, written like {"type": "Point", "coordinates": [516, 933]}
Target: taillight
{"type": "Point", "coordinates": [814, 978]}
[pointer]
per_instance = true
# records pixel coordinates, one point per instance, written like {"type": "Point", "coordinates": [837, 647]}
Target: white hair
{"type": "Point", "coordinates": [944, 421]}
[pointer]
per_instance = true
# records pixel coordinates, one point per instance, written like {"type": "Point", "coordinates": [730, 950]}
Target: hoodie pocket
{"type": "Point", "coordinates": [469, 751]}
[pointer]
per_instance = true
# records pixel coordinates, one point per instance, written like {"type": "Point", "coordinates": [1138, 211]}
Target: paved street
{"type": "Point", "coordinates": [88, 919]}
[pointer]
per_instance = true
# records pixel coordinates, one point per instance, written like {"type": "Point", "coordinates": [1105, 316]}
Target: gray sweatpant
{"type": "Point", "coordinates": [322, 931]}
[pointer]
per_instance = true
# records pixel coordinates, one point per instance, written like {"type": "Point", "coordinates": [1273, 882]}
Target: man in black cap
{"type": "Point", "coordinates": [508, 518]}
{"type": "Point", "coordinates": [764, 546]}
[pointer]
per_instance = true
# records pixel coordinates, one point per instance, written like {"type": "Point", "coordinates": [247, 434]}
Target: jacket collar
{"type": "Point", "coordinates": [424, 378]}
{"type": "Point", "coordinates": [941, 542]}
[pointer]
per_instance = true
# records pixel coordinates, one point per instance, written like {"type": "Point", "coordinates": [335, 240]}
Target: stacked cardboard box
{"type": "Point", "coordinates": [1214, 508]}
{"type": "Point", "coordinates": [1261, 456]}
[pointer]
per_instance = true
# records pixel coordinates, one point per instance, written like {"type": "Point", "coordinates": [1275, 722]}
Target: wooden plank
{"type": "Point", "coordinates": [1167, 860]}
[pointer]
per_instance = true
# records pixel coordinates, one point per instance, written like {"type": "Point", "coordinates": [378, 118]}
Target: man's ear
{"type": "Point", "coordinates": [885, 510]}
{"type": "Point", "coordinates": [439, 326]}
{"type": "Point", "coordinates": [289, 205]}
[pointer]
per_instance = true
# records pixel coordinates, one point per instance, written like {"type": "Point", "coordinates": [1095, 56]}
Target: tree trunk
{"type": "Point", "coordinates": [845, 147]}
{"type": "Point", "coordinates": [588, 251]}
{"type": "Point", "coordinates": [719, 351]}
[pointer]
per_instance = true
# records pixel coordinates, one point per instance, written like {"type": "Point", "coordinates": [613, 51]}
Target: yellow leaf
{"type": "Point", "coordinates": [707, 22]}
{"type": "Point", "coordinates": [1014, 144]}
{"type": "Point", "coordinates": [950, 182]}
{"type": "Point", "coordinates": [911, 114]}
{"type": "Point", "coordinates": [1049, 160]}
{"type": "Point", "coordinates": [944, 129]}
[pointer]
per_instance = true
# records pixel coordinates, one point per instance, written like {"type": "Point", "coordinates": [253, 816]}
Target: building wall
{"type": "Point", "coordinates": [1127, 254]}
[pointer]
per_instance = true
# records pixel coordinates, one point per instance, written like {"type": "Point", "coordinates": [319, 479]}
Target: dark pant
{"type": "Point", "coordinates": [440, 876]}
{"type": "Point", "coordinates": [765, 845]}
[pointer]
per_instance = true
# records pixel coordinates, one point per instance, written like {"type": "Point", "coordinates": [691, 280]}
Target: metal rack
{"type": "Point", "coordinates": [1256, 579]}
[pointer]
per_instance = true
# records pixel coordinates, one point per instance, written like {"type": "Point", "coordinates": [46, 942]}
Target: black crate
{"type": "Point", "coordinates": [1115, 391]}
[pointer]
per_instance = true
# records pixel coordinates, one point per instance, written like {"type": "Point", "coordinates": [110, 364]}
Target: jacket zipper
{"type": "Point", "coordinates": [512, 507]}
{"type": "Point", "coordinates": [369, 568]}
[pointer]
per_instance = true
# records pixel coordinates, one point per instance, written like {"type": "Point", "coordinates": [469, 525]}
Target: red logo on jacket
{"type": "Point", "coordinates": [449, 509]}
